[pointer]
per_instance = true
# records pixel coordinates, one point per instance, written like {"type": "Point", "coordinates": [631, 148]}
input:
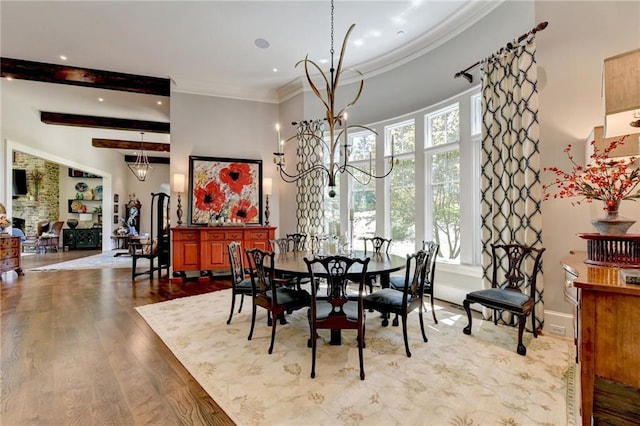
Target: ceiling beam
{"type": "Point", "coordinates": [103, 122]}
{"type": "Point", "coordinates": [118, 144]}
{"type": "Point", "coordinates": [153, 160]}
{"type": "Point", "coordinates": [75, 76]}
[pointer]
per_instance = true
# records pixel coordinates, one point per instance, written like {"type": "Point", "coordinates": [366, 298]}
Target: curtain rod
{"type": "Point", "coordinates": [465, 72]}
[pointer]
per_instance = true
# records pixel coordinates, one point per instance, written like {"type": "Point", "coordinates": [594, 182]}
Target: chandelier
{"type": "Point", "coordinates": [141, 168]}
{"type": "Point", "coordinates": [335, 122]}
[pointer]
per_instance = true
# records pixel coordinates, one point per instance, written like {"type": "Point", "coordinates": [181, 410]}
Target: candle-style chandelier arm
{"type": "Point", "coordinates": [289, 178]}
{"type": "Point", "coordinates": [306, 61]}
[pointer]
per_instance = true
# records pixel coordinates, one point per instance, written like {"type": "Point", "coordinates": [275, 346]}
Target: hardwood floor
{"type": "Point", "coordinates": [74, 350]}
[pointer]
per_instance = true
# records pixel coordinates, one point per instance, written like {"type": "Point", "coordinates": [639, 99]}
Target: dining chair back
{"type": "Point", "coordinates": [390, 301]}
{"type": "Point", "coordinates": [515, 269]}
{"type": "Point", "coordinates": [299, 241]}
{"type": "Point", "coordinates": [240, 280]}
{"type": "Point", "coordinates": [332, 308]}
{"type": "Point", "coordinates": [376, 244]}
{"type": "Point", "coordinates": [269, 293]}
{"type": "Point", "coordinates": [398, 282]}
{"type": "Point", "coordinates": [281, 245]}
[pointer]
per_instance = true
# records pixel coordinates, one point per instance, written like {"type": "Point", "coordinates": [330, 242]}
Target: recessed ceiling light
{"type": "Point", "coordinates": [261, 43]}
{"type": "Point", "coordinates": [100, 99]}
{"type": "Point", "coordinates": [159, 102]}
{"type": "Point", "coordinates": [64, 58]}
{"type": "Point", "coordinates": [275, 70]}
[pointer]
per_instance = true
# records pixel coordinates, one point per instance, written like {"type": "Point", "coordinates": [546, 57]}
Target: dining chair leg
{"type": "Point", "coordinates": [273, 335]}
{"type": "Point", "coordinates": [253, 321]}
{"type": "Point", "coordinates": [467, 308]}
{"type": "Point", "coordinates": [522, 319]}
{"type": "Point", "coordinates": [233, 302]}
{"type": "Point", "coordinates": [241, 303]}
{"type": "Point", "coordinates": [313, 352]}
{"type": "Point", "coordinates": [424, 335]}
{"type": "Point", "coordinates": [361, 353]}
{"type": "Point", "coordinates": [405, 335]}
{"type": "Point", "coordinates": [433, 310]}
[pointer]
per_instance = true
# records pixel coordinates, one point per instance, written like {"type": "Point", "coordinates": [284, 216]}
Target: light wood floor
{"type": "Point", "coordinates": [74, 350]}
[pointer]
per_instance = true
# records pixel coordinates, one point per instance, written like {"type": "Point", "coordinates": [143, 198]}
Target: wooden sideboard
{"type": "Point", "coordinates": [199, 248]}
{"type": "Point", "coordinates": [607, 332]}
{"type": "Point", "coordinates": [10, 258]}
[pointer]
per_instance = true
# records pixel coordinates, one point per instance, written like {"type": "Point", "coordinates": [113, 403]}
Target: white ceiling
{"type": "Point", "coordinates": [208, 46]}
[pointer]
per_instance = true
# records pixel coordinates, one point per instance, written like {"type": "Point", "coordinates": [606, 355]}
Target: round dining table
{"type": "Point", "coordinates": [380, 264]}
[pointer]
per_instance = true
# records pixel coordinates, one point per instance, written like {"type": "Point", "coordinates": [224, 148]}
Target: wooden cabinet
{"type": "Point", "coordinates": [10, 259]}
{"type": "Point", "coordinates": [607, 333]}
{"type": "Point", "coordinates": [82, 238]}
{"type": "Point", "coordinates": [205, 248]}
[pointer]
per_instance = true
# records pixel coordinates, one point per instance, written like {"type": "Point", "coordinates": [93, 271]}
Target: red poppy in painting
{"type": "Point", "coordinates": [237, 176]}
{"type": "Point", "coordinates": [210, 197]}
{"type": "Point", "coordinates": [244, 211]}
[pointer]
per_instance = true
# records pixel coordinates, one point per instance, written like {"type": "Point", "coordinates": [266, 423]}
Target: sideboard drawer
{"type": "Point", "coordinates": [192, 235]}
{"type": "Point", "coordinates": [258, 235]}
{"type": "Point", "coordinates": [213, 236]}
{"type": "Point", "coordinates": [233, 236]}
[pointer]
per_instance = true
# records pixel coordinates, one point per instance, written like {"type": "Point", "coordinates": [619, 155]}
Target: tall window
{"type": "Point", "coordinates": [363, 189]}
{"type": "Point", "coordinates": [442, 150]}
{"type": "Point", "coordinates": [402, 194]}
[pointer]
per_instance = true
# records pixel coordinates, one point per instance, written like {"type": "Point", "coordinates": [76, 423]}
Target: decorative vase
{"type": "Point", "coordinates": [612, 223]}
{"type": "Point", "coordinates": [72, 223]}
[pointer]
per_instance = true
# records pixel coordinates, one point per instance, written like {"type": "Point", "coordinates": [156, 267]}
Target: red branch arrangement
{"type": "Point", "coordinates": [603, 179]}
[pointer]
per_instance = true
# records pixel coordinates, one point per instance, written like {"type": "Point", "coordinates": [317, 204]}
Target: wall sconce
{"type": "Point", "coordinates": [267, 186]}
{"type": "Point", "coordinates": [178, 186]}
{"type": "Point", "coordinates": [622, 94]}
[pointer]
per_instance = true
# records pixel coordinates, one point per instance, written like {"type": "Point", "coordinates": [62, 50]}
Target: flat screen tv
{"type": "Point", "coordinates": [19, 182]}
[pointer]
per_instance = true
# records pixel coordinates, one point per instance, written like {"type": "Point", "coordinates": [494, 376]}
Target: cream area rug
{"type": "Point", "coordinates": [99, 261]}
{"type": "Point", "coordinates": [453, 379]}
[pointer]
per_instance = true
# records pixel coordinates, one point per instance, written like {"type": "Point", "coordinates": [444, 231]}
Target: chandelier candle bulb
{"type": "Point", "coordinates": [278, 142]}
{"type": "Point", "coordinates": [351, 215]}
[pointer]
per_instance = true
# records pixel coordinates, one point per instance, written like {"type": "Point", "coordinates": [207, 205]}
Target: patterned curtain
{"type": "Point", "coordinates": [310, 194]}
{"type": "Point", "coordinates": [510, 185]}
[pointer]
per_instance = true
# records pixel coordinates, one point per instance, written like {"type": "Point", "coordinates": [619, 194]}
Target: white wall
{"type": "Point", "coordinates": [570, 54]}
{"type": "Point", "coordinates": [218, 127]}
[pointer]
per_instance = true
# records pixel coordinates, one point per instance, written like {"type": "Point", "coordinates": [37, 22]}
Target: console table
{"type": "Point", "coordinates": [203, 248]}
{"type": "Point", "coordinates": [10, 259]}
{"type": "Point", "coordinates": [82, 238]}
{"type": "Point", "coordinates": [606, 332]}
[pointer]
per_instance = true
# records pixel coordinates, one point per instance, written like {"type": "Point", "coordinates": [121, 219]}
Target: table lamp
{"type": "Point", "coordinates": [178, 186]}
{"type": "Point", "coordinates": [267, 186]}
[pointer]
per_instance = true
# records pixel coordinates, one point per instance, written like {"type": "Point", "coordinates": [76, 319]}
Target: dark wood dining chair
{"type": "Point", "coordinates": [240, 279]}
{"type": "Point", "coordinates": [333, 308]}
{"type": "Point", "coordinates": [513, 287]}
{"type": "Point", "coordinates": [398, 282]}
{"type": "Point", "coordinates": [374, 245]}
{"type": "Point", "coordinates": [299, 241]}
{"type": "Point", "coordinates": [401, 303]}
{"type": "Point", "coordinates": [268, 293]}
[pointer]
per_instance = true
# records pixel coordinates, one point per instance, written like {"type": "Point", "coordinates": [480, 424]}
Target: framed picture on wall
{"type": "Point", "coordinates": [224, 189]}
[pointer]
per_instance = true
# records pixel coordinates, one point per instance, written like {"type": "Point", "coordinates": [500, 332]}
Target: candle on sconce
{"type": "Point", "coordinates": [351, 215]}
{"type": "Point", "coordinates": [346, 127]}
{"type": "Point", "coordinates": [278, 138]}
{"type": "Point", "coordinates": [393, 142]}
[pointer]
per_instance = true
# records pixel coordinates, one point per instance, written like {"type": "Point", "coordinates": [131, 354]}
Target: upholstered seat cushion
{"type": "Point", "coordinates": [244, 284]}
{"type": "Point", "coordinates": [502, 299]}
{"type": "Point", "coordinates": [288, 296]}
{"type": "Point", "coordinates": [396, 281]}
{"type": "Point", "coordinates": [324, 308]}
{"type": "Point", "coordinates": [386, 296]}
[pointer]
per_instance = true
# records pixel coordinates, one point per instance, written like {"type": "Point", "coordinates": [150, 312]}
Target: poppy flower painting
{"type": "Point", "coordinates": [227, 189]}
